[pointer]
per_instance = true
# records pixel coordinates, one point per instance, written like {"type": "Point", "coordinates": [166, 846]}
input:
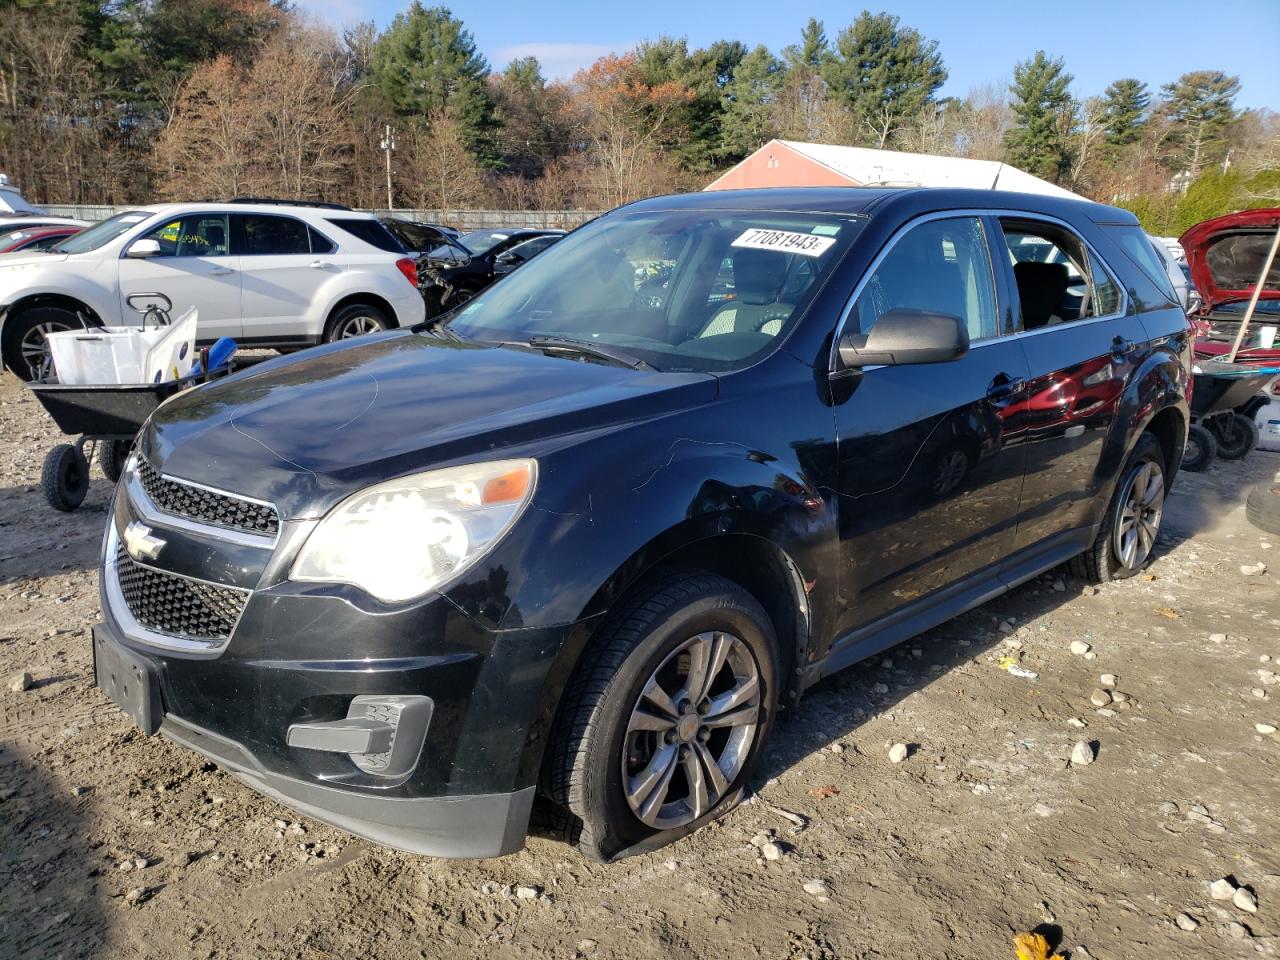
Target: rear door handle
{"type": "Point", "coordinates": [220, 271]}
{"type": "Point", "coordinates": [1004, 386]}
{"type": "Point", "coordinates": [320, 264]}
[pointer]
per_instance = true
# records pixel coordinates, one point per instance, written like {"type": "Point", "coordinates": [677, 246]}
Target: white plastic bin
{"type": "Point", "coordinates": [102, 355]}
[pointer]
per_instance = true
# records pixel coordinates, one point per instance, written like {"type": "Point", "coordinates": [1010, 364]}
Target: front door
{"type": "Point", "coordinates": [930, 463]}
{"type": "Point", "coordinates": [194, 268]}
{"type": "Point", "coordinates": [1081, 349]}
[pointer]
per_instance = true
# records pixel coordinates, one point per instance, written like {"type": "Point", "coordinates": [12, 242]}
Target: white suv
{"type": "Point", "coordinates": [263, 273]}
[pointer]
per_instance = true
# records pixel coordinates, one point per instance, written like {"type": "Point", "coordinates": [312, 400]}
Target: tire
{"type": "Point", "coordinates": [459, 296]}
{"type": "Point", "coordinates": [1237, 436]}
{"type": "Point", "coordinates": [1263, 507]}
{"type": "Point", "coordinates": [603, 738]}
{"type": "Point", "coordinates": [1109, 558]}
{"type": "Point", "coordinates": [64, 478]}
{"type": "Point", "coordinates": [112, 455]}
{"type": "Point", "coordinates": [25, 349]}
{"type": "Point", "coordinates": [1201, 449]}
{"type": "Point", "coordinates": [355, 320]}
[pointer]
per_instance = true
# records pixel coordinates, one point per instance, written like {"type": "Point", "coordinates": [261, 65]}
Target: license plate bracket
{"type": "Point", "coordinates": [129, 680]}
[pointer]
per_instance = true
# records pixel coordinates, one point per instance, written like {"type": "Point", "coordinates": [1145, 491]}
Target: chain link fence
{"type": "Point", "coordinates": [461, 219]}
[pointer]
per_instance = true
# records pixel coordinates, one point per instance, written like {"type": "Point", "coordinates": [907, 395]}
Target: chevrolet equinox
{"type": "Point", "coordinates": [583, 536]}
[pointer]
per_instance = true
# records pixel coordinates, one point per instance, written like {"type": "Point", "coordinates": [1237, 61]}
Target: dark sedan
{"type": "Point", "coordinates": [586, 537]}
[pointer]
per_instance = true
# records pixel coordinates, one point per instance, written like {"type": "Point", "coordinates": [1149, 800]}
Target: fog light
{"type": "Point", "coordinates": [383, 735]}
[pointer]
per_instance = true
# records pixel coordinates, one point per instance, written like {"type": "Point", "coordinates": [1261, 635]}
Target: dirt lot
{"type": "Point", "coordinates": [116, 845]}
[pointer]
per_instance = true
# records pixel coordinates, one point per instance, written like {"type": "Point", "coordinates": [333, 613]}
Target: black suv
{"type": "Point", "coordinates": [582, 537]}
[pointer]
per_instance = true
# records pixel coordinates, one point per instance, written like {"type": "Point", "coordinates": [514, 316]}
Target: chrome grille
{"type": "Point", "coordinates": [175, 605]}
{"type": "Point", "coordinates": [206, 506]}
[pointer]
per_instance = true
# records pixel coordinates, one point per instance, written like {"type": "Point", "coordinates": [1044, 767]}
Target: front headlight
{"type": "Point", "coordinates": [400, 539]}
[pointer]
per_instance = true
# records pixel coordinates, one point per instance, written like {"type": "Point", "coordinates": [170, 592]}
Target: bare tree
{"type": "Point", "coordinates": [442, 173]}
{"type": "Point", "coordinates": [1089, 121]}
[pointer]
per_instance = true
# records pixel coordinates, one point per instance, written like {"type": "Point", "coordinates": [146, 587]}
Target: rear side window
{"type": "Point", "coordinates": [319, 242]}
{"type": "Point", "coordinates": [1136, 245]}
{"type": "Point", "coordinates": [266, 235]}
{"type": "Point", "coordinates": [370, 231]}
{"type": "Point", "coordinates": [1059, 279]}
{"type": "Point", "coordinates": [941, 266]}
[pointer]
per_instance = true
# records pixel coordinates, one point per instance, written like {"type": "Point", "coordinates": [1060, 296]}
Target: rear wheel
{"type": "Point", "coordinates": [111, 457]}
{"type": "Point", "coordinates": [356, 320]}
{"type": "Point", "coordinates": [26, 345]}
{"type": "Point", "coordinates": [1237, 436]}
{"type": "Point", "coordinates": [1201, 449]}
{"type": "Point", "coordinates": [665, 716]}
{"type": "Point", "coordinates": [1127, 538]}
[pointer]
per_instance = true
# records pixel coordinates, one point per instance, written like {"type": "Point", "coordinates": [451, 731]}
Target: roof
{"type": "Point", "coordinates": [901, 202]}
{"type": "Point", "coordinates": [864, 166]}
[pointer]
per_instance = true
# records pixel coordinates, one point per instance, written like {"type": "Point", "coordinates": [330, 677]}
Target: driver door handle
{"type": "Point", "coordinates": [1004, 386]}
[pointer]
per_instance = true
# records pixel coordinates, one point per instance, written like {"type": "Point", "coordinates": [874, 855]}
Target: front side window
{"type": "Point", "coordinates": [690, 290]}
{"type": "Point", "coordinates": [194, 235]}
{"type": "Point", "coordinates": [941, 266]}
{"type": "Point", "coordinates": [1059, 279]}
{"type": "Point", "coordinates": [267, 235]}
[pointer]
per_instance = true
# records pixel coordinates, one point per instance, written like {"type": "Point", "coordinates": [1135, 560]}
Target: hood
{"type": "Point", "coordinates": [1226, 255]}
{"type": "Point", "coordinates": [30, 258]}
{"type": "Point", "coordinates": [302, 432]}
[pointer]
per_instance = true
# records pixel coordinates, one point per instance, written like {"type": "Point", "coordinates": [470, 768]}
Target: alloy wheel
{"type": "Point", "coordinates": [1138, 523]}
{"type": "Point", "coordinates": [691, 730]}
{"type": "Point", "coordinates": [358, 326]}
{"type": "Point", "coordinates": [34, 348]}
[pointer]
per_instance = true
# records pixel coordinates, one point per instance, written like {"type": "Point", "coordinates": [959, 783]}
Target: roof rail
{"type": "Point", "coordinates": [272, 201]}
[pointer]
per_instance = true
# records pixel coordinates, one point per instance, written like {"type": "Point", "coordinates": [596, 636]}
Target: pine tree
{"type": "Point", "coordinates": [1125, 105]}
{"type": "Point", "coordinates": [426, 62]}
{"type": "Point", "coordinates": [804, 93]}
{"type": "Point", "coordinates": [1201, 108]}
{"type": "Point", "coordinates": [884, 73]}
{"type": "Point", "coordinates": [749, 104]}
{"type": "Point", "coordinates": [1038, 140]}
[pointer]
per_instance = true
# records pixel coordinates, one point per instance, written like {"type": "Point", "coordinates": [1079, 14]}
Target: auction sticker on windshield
{"type": "Point", "coordinates": [784, 241]}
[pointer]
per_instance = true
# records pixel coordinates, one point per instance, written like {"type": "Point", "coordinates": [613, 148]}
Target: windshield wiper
{"type": "Point", "coordinates": [588, 348]}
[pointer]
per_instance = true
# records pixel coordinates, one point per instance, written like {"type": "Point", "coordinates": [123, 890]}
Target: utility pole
{"type": "Point", "coordinates": [388, 144]}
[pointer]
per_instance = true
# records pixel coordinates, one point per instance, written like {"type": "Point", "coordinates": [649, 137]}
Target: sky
{"type": "Point", "coordinates": [980, 40]}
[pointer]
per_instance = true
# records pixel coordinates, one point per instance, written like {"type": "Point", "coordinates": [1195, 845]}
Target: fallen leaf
{"type": "Point", "coordinates": [1167, 613]}
{"type": "Point", "coordinates": [1032, 946]}
{"type": "Point", "coordinates": [824, 793]}
{"type": "Point", "coordinates": [1148, 577]}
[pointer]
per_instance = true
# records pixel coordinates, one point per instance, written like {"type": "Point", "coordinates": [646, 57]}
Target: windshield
{"type": "Point", "coordinates": [482, 241]}
{"type": "Point", "coordinates": [682, 290]}
{"type": "Point", "coordinates": [103, 232]}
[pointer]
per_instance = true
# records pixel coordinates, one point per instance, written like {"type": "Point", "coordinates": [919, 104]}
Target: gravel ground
{"type": "Point", "coordinates": [115, 845]}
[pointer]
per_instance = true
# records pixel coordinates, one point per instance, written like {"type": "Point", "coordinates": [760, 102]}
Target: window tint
{"type": "Point", "coordinates": [319, 242]}
{"type": "Point", "coordinates": [1053, 268]}
{"type": "Point", "coordinates": [940, 266]}
{"type": "Point", "coordinates": [371, 232]}
{"type": "Point", "coordinates": [1137, 246]}
{"type": "Point", "coordinates": [195, 235]}
{"type": "Point", "coordinates": [265, 235]}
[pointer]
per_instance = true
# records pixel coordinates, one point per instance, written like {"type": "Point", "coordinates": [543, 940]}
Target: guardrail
{"type": "Point", "coordinates": [462, 219]}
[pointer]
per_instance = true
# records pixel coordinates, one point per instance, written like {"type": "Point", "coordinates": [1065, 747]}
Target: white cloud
{"type": "Point", "coordinates": [560, 61]}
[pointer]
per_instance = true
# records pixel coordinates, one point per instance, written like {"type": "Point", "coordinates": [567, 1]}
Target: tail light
{"type": "Point", "coordinates": [410, 270]}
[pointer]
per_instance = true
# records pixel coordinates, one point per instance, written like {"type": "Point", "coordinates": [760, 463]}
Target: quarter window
{"type": "Point", "coordinates": [941, 266]}
{"type": "Point", "coordinates": [195, 235]}
{"type": "Point", "coordinates": [1059, 279]}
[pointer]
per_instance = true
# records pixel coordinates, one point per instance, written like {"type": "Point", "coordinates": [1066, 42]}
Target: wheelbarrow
{"type": "Point", "coordinates": [1223, 400]}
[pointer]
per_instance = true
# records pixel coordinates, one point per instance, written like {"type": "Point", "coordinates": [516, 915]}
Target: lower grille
{"type": "Point", "coordinates": [171, 604]}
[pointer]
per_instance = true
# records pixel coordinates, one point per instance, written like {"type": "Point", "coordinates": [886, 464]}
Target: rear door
{"type": "Point", "coordinates": [195, 268]}
{"type": "Point", "coordinates": [1082, 348]}
{"type": "Point", "coordinates": [930, 467]}
{"type": "Point", "coordinates": [284, 265]}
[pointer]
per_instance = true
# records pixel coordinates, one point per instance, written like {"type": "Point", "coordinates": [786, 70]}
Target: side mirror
{"type": "Point", "coordinates": [510, 258]}
{"type": "Point", "coordinates": [144, 248]}
{"type": "Point", "coordinates": [907, 336]}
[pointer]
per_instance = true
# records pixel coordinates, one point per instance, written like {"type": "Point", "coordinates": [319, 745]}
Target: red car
{"type": "Point", "coordinates": [1226, 256]}
{"type": "Point", "coordinates": [35, 238]}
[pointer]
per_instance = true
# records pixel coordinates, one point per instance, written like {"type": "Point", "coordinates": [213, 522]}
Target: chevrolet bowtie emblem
{"type": "Point", "coordinates": [140, 543]}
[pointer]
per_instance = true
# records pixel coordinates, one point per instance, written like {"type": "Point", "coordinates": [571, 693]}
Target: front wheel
{"type": "Point", "coordinates": [665, 716]}
{"type": "Point", "coordinates": [26, 343]}
{"type": "Point", "coordinates": [64, 478]}
{"type": "Point", "coordinates": [1237, 436]}
{"type": "Point", "coordinates": [1127, 537]}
